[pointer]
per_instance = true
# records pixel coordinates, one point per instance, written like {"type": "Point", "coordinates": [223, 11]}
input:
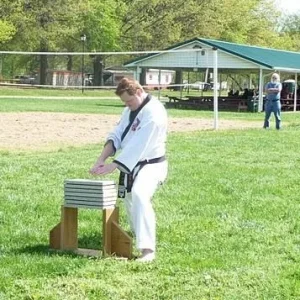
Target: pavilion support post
{"type": "Point", "coordinates": [261, 87]}
{"type": "Point", "coordinates": [220, 84]}
{"type": "Point", "coordinates": [137, 73]}
{"type": "Point", "coordinates": [295, 93]}
{"type": "Point", "coordinates": [206, 74]}
{"type": "Point", "coordinates": [215, 54]}
{"type": "Point", "coordinates": [159, 83]}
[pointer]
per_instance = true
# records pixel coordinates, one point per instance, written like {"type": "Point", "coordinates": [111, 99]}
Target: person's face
{"type": "Point", "coordinates": [274, 78]}
{"type": "Point", "coordinates": [132, 101]}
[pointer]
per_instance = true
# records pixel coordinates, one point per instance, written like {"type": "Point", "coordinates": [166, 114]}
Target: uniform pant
{"type": "Point", "coordinates": [139, 207]}
{"type": "Point", "coordinates": [275, 107]}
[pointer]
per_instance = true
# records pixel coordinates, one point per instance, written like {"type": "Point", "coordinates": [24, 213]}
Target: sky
{"type": "Point", "coordinates": [289, 6]}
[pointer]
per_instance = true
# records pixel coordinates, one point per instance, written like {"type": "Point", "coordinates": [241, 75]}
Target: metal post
{"type": "Point", "coordinates": [261, 88]}
{"type": "Point", "coordinates": [295, 92]}
{"type": "Point", "coordinates": [1, 66]}
{"type": "Point", "coordinates": [83, 39]}
{"type": "Point", "coordinates": [159, 83]}
{"type": "Point", "coordinates": [215, 54]}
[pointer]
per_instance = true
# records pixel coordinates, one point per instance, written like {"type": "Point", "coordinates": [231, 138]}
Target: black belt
{"type": "Point", "coordinates": [150, 161]}
{"type": "Point", "coordinates": [131, 177]}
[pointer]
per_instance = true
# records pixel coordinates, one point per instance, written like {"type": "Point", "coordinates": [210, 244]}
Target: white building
{"type": "Point", "coordinates": [154, 77]}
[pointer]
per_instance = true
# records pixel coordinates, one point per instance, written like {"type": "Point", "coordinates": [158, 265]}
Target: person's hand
{"type": "Point", "coordinates": [102, 169]}
{"type": "Point", "coordinates": [97, 165]}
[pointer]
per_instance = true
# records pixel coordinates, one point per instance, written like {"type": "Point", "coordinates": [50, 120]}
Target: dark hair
{"type": "Point", "coordinates": [128, 85]}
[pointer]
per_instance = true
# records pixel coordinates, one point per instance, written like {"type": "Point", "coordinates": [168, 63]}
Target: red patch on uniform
{"type": "Point", "coordinates": [135, 124]}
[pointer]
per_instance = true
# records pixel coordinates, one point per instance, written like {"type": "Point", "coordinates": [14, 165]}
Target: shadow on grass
{"type": "Point", "coordinates": [293, 125]}
{"type": "Point", "coordinates": [43, 250]}
{"type": "Point", "coordinates": [91, 242]}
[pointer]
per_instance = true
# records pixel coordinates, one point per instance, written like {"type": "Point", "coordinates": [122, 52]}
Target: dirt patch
{"type": "Point", "coordinates": [50, 131]}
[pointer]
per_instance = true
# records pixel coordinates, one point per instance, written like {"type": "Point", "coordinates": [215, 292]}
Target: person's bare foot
{"type": "Point", "coordinates": [148, 255]}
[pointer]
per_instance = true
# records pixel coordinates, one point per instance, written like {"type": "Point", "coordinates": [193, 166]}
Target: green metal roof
{"type": "Point", "coordinates": [266, 57]}
{"type": "Point", "coordinates": [271, 58]}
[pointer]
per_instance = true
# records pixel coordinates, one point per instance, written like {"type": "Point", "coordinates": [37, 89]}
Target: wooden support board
{"type": "Point", "coordinates": [115, 240]}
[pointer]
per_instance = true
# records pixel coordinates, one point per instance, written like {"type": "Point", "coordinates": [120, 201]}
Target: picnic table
{"type": "Point", "coordinates": [288, 104]}
{"type": "Point", "coordinates": [207, 103]}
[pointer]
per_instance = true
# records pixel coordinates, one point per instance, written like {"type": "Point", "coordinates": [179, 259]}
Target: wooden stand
{"type": "Point", "coordinates": [64, 236]}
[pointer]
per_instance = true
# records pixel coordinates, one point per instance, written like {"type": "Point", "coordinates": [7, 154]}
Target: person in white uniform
{"type": "Point", "coordinates": [139, 140]}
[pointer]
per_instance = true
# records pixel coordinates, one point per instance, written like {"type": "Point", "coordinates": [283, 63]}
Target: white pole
{"type": "Point", "coordinates": [261, 87]}
{"type": "Point", "coordinates": [220, 85]}
{"type": "Point", "coordinates": [137, 73]}
{"type": "Point", "coordinates": [215, 52]}
{"type": "Point", "coordinates": [206, 75]}
{"type": "Point", "coordinates": [159, 83]}
{"type": "Point", "coordinates": [295, 93]}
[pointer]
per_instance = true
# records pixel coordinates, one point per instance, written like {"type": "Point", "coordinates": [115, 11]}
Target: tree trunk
{"type": "Point", "coordinates": [98, 70]}
{"type": "Point", "coordinates": [143, 76]}
{"type": "Point", "coordinates": [178, 80]}
{"type": "Point", "coordinates": [70, 63]}
{"type": "Point", "coordinates": [43, 63]}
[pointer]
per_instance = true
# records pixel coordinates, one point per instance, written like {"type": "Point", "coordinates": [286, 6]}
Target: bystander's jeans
{"type": "Point", "coordinates": [275, 107]}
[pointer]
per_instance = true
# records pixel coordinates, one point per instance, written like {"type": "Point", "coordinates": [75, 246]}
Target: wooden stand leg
{"type": "Point", "coordinates": [115, 239]}
{"type": "Point", "coordinates": [109, 215]}
{"type": "Point", "coordinates": [121, 242]}
{"type": "Point", "coordinates": [55, 237]}
{"type": "Point", "coordinates": [69, 228]}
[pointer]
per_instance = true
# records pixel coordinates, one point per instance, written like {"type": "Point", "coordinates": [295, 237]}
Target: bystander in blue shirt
{"type": "Point", "coordinates": [273, 90]}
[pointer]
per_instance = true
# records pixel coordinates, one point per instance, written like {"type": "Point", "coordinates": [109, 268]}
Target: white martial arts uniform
{"type": "Point", "coordinates": [145, 140]}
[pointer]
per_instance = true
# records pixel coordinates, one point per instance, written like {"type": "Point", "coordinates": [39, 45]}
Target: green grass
{"type": "Point", "coordinates": [228, 215]}
{"type": "Point", "coordinates": [107, 106]}
{"type": "Point", "coordinates": [228, 223]}
{"type": "Point", "coordinates": [54, 92]}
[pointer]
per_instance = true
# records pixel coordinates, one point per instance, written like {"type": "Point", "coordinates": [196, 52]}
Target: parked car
{"type": "Point", "coordinates": [25, 79]}
{"type": "Point", "coordinates": [198, 85]}
{"type": "Point", "coordinates": [89, 79]}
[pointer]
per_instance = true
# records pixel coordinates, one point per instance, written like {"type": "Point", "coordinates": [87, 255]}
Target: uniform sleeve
{"type": "Point", "coordinates": [138, 146]}
{"type": "Point", "coordinates": [115, 135]}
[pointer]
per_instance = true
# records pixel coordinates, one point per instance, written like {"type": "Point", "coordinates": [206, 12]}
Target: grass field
{"type": "Point", "coordinates": [228, 218]}
{"type": "Point", "coordinates": [98, 104]}
{"type": "Point", "coordinates": [114, 106]}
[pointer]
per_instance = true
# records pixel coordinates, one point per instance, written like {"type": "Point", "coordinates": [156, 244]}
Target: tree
{"type": "Point", "coordinates": [124, 25]}
{"type": "Point", "coordinates": [290, 31]}
{"type": "Point", "coordinates": [101, 24]}
{"type": "Point", "coordinates": [7, 31]}
{"type": "Point", "coordinates": [40, 25]}
{"type": "Point", "coordinates": [156, 24]}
